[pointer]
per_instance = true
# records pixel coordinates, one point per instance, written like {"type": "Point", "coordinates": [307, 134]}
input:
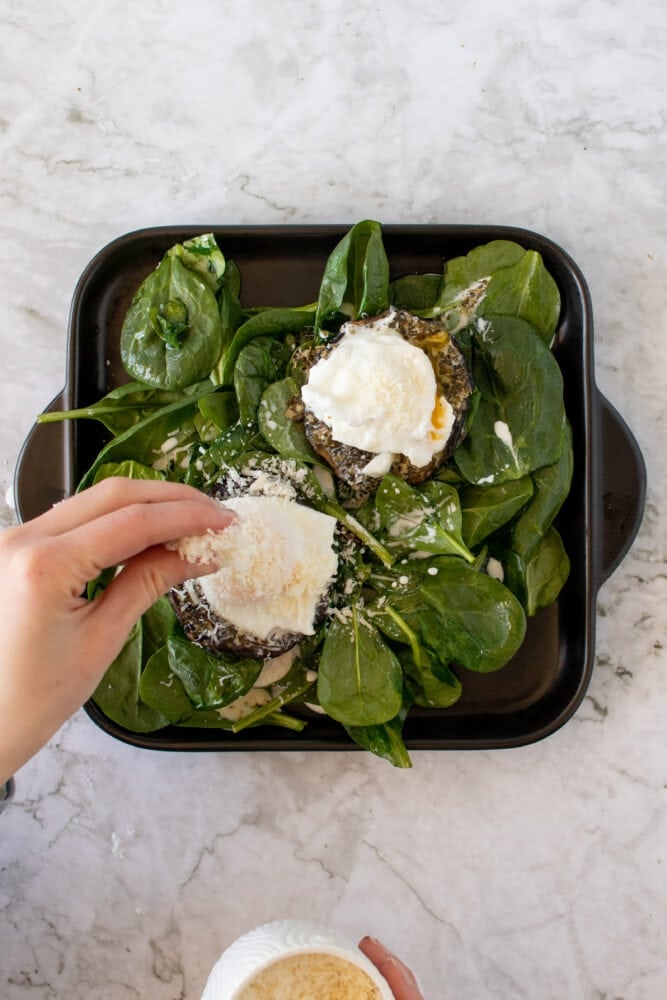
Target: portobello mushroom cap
{"type": "Point", "coordinates": [206, 628]}
{"type": "Point", "coordinates": [453, 381]}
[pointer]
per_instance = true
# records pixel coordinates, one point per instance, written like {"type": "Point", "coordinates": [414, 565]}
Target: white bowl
{"type": "Point", "coordinates": [260, 947]}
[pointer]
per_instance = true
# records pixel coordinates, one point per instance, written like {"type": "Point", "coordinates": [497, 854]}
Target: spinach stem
{"type": "Point", "coordinates": [383, 554]}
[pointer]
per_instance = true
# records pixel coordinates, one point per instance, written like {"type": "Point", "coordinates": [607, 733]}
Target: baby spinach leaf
{"type": "Point", "coordinates": [260, 363]}
{"type": "Point", "coordinates": [431, 683]}
{"type": "Point", "coordinates": [162, 690]}
{"type": "Point", "coordinates": [525, 290]}
{"type": "Point", "coordinates": [360, 679]}
{"type": "Point", "coordinates": [485, 509]}
{"type": "Point", "coordinates": [463, 616]}
{"type": "Point", "coordinates": [466, 280]}
{"type": "Point", "coordinates": [171, 336]}
{"type": "Point", "coordinates": [385, 739]}
{"type": "Point", "coordinates": [481, 262]}
{"type": "Point", "coordinates": [203, 257]}
{"type": "Point", "coordinates": [519, 425]}
{"type": "Point", "coordinates": [551, 487]}
{"type": "Point", "coordinates": [144, 441]}
{"type": "Point", "coordinates": [117, 694]}
{"type": "Point", "coordinates": [356, 278]}
{"type": "Point", "coordinates": [415, 292]}
{"type": "Point", "coordinates": [294, 687]}
{"type": "Point", "coordinates": [537, 579]}
{"type": "Point", "coordinates": [231, 316]}
{"type": "Point", "coordinates": [121, 408]}
{"type": "Point", "coordinates": [127, 469]}
{"type": "Point", "coordinates": [500, 278]}
{"type": "Point", "coordinates": [210, 681]}
{"type": "Point", "coordinates": [220, 408]}
{"type": "Point", "coordinates": [268, 323]}
{"type": "Point", "coordinates": [287, 436]}
{"type": "Point", "coordinates": [427, 519]}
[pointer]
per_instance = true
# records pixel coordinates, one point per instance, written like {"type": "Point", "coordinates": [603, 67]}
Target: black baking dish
{"type": "Point", "coordinates": [546, 681]}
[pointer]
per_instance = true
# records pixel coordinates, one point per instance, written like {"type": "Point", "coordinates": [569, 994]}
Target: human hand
{"type": "Point", "coordinates": [56, 644]}
{"type": "Point", "coordinates": [401, 981]}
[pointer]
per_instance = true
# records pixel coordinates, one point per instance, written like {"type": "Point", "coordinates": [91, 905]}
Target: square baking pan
{"type": "Point", "coordinates": [543, 685]}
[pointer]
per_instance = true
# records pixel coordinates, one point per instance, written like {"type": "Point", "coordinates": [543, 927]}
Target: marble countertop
{"type": "Point", "coordinates": [537, 872]}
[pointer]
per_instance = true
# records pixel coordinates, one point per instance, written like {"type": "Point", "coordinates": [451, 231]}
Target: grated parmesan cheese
{"type": "Point", "coordinates": [276, 561]}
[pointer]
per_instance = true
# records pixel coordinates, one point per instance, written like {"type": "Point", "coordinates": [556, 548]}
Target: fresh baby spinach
{"type": "Point", "coordinates": [360, 679]}
{"type": "Point", "coordinates": [499, 278]}
{"type": "Point", "coordinates": [121, 408]}
{"type": "Point", "coordinates": [355, 281]}
{"type": "Point", "coordinates": [171, 336]}
{"type": "Point", "coordinates": [537, 578]}
{"type": "Point", "coordinates": [486, 509]}
{"type": "Point", "coordinates": [551, 485]}
{"type": "Point", "coordinates": [385, 739]}
{"type": "Point", "coordinates": [416, 292]}
{"type": "Point", "coordinates": [280, 432]}
{"type": "Point", "coordinates": [428, 519]}
{"type": "Point", "coordinates": [413, 607]}
{"type": "Point", "coordinates": [519, 423]}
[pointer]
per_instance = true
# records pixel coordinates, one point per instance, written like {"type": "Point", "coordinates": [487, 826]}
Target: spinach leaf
{"type": "Point", "coordinates": [428, 519]}
{"type": "Point", "coordinates": [162, 690]}
{"type": "Point", "coordinates": [384, 739]}
{"type": "Point", "coordinates": [431, 683]}
{"type": "Point", "coordinates": [294, 687]}
{"type": "Point", "coordinates": [171, 336]}
{"type": "Point", "coordinates": [500, 278]}
{"type": "Point", "coordinates": [551, 487]}
{"type": "Point", "coordinates": [120, 409]}
{"type": "Point", "coordinates": [145, 440]}
{"type": "Point", "coordinates": [210, 681]}
{"type": "Point", "coordinates": [525, 290]}
{"type": "Point", "coordinates": [485, 509]}
{"type": "Point", "coordinates": [355, 280]}
{"type": "Point", "coordinates": [463, 616]}
{"type": "Point", "coordinates": [537, 579]}
{"type": "Point", "coordinates": [219, 408]}
{"type": "Point", "coordinates": [519, 424]}
{"type": "Point", "coordinates": [118, 693]}
{"type": "Point", "coordinates": [231, 316]}
{"type": "Point", "coordinates": [415, 292]}
{"type": "Point", "coordinates": [268, 323]}
{"type": "Point", "coordinates": [259, 365]}
{"type": "Point", "coordinates": [360, 679]}
{"type": "Point", "coordinates": [481, 262]}
{"type": "Point", "coordinates": [127, 469]}
{"type": "Point", "coordinates": [203, 257]}
{"type": "Point", "coordinates": [287, 436]}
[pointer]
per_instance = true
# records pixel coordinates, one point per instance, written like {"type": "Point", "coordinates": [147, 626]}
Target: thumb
{"type": "Point", "coordinates": [142, 581]}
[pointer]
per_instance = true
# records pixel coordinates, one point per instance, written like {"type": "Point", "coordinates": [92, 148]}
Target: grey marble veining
{"type": "Point", "coordinates": [531, 873]}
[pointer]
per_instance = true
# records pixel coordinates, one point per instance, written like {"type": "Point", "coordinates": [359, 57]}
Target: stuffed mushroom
{"type": "Point", "coordinates": [277, 561]}
{"type": "Point", "coordinates": [390, 394]}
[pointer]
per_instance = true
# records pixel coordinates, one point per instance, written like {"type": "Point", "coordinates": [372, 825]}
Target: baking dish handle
{"type": "Point", "coordinates": [41, 469]}
{"type": "Point", "coordinates": [622, 487]}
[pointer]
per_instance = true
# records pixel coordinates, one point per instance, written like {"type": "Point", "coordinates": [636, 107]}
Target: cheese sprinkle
{"type": "Point", "coordinates": [276, 562]}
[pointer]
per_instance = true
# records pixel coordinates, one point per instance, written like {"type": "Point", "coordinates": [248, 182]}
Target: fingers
{"type": "Point", "coordinates": [116, 537]}
{"type": "Point", "coordinates": [105, 497]}
{"type": "Point", "coordinates": [401, 980]}
{"type": "Point", "coordinates": [143, 580]}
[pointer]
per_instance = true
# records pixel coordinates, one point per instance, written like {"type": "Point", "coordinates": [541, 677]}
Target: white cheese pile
{"type": "Point", "coordinates": [276, 560]}
{"type": "Point", "coordinates": [378, 393]}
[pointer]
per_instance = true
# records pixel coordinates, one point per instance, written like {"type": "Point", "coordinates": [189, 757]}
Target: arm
{"type": "Point", "coordinates": [56, 645]}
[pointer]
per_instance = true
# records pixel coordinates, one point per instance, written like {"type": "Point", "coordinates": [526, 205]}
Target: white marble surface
{"type": "Point", "coordinates": [532, 873]}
